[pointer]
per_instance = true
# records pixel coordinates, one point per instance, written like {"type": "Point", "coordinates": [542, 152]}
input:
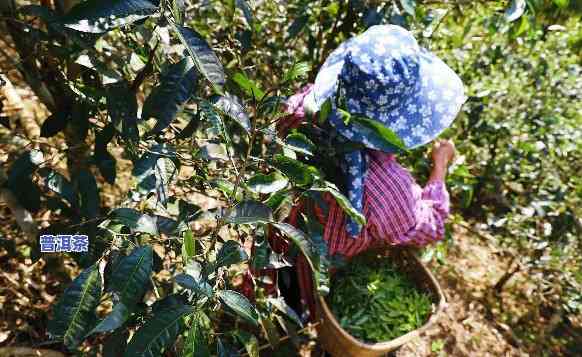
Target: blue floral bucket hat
{"type": "Point", "coordinates": [384, 75]}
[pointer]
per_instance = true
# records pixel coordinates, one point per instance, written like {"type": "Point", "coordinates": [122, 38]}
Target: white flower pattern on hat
{"type": "Point", "coordinates": [387, 77]}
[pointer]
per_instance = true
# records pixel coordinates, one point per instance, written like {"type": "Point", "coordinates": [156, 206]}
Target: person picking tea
{"type": "Point", "coordinates": [383, 75]}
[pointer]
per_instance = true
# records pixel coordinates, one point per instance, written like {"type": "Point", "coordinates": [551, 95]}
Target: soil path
{"type": "Point", "coordinates": [472, 266]}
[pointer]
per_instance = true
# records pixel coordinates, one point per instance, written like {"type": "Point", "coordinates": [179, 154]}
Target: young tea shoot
{"type": "Point", "coordinates": [377, 302]}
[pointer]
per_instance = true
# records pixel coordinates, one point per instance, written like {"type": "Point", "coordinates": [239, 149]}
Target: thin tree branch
{"type": "Point", "coordinates": [146, 71]}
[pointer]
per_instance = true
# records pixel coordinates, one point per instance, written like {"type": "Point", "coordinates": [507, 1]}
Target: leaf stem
{"type": "Point", "coordinates": [156, 292]}
{"type": "Point", "coordinates": [146, 71]}
{"type": "Point", "coordinates": [247, 155]}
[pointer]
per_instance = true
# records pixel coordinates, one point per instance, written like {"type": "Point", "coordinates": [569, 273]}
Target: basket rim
{"type": "Point", "coordinates": [398, 341]}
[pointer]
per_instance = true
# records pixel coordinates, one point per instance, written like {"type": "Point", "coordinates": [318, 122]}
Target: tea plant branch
{"type": "Point", "coordinates": [498, 287]}
{"type": "Point", "coordinates": [228, 145]}
{"type": "Point", "coordinates": [29, 351]}
{"type": "Point", "coordinates": [284, 338]}
{"type": "Point", "coordinates": [240, 175]}
{"type": "Point", "coordinates": [22, 216]}
{"type": "Point", "coordinates": [146, 71]}
{"type": "Point", "coordinates": [156, 292]}
{"type": "Point", "coordinates": [232, 199]}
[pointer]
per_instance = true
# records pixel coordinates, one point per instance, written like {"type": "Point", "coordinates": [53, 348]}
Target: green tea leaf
{"type": "Point", "coordinates": [297, 26]}
{"type": "Point", "coordinates": [298, 70]}
{"type": "Point", "coordinates": [246, 9]}
{"type": "Point", "coordinates": [177, 84]}
{"type": "Point", "coordinates": [20, 182]}
{"type": "Point", "coordinates": [515, 11]}
{"type": "Point", "coordinates": [107, 165]}
{"type": "Point", "coordinates": [60, 185]}
{"type": "Point", "coordinates": [324, 111]}
{"type": "Point", "coordinates": [122, 108]}
{"type": "Point", "coordinates": [270, 183]}
{"type": "Point", "coordinates": [159, 332]}
{"type": "Point", "coordinates": [189, 282]}
{"type": "Point", "coordinates": [379, 134]}
{"type": "Point", "coordinates": [98, 16]}
{"type": "Point", "coordinates": [435, 17]}
{"type": "Point", "coordinates": [231, 106]}
{"type": "Point", "coordinates": [250, 212]}
{"type": "Point", "coordinates": [204, 57]}
{"type": "Point", "coordinates": [344, 203]}
{"type": "Point", "coordinates": [298, 172]}
{"type": "Point", "coordinates": [230, 253]}
{"type": "Point", "coordinates": [131, 277]}
{"type": "Point", "coordinates": [188, 247]}
{"type": "Point", "coordinates": [247, 85]}
{"type": "Point", "coordinates": [239, 304]}
{"type": "Point", "coordinates": [178, 9]}
{"type": "Point", "coordinates": [300, 143]}
{"type": "Point", "coordinates": [196, 344]}
{"type": "Point", "coordinates": [25, 165]}
{"type": "Point", "coordinates": [170, 302]}
{"type": "Point", "coordinates": [227, 188]}
{"type": "Point", "coordinates": [135, 220]}
{"type": "Point", "coordinates": [261, 254]}
{"type": "Point", "coordinates": [55, 123]}
{"type": "Point", "coordinates": [409, 6]}
{"type": "Point", "coordinates": [104, 160]}
{"type": "Point", "coordinates": [304, 243]}
{"type": "Point", "coordinates": [74, 313]}
{"type": "Point", "coordinates": [562, 3]}
{"type": "Point", "coordinates": [114, 320]}
{"type": "Point", "coordinates": [155, 170]}
{"type": "Point", "coordinates": [213, 151]}
{"type": "Point", "coordinates": [377, 302]}
{"type": "Point", "coordinates": [89, 200]}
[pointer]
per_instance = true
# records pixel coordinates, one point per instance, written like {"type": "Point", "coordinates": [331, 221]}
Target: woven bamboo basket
{"type": "Point", "coordinates": [339, 343]}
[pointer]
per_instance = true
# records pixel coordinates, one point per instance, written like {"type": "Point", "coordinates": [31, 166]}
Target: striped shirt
{"type": "Point", "coordinates": [398, 211]}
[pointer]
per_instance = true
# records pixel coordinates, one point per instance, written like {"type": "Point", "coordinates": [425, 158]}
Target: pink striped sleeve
{"type": "Point", "coordinates": [431, 211]}
{"type": "Point", "coordinates": [400, 210]}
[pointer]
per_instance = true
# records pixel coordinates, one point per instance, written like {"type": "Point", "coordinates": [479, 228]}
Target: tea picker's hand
{"type": "Point", "coordinates": [443, 152]}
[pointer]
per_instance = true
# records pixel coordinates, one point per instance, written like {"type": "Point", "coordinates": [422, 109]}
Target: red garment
{"type": "Point", "coordinates": [398, 211]}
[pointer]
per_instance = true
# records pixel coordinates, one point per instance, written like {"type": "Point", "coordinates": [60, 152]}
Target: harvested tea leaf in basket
{"type": "Point", "coordinates": [375, 302]}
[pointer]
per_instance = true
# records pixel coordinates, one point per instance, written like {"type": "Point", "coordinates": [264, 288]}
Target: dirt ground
{"type": "Point", "coordinates": [463, 329]}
